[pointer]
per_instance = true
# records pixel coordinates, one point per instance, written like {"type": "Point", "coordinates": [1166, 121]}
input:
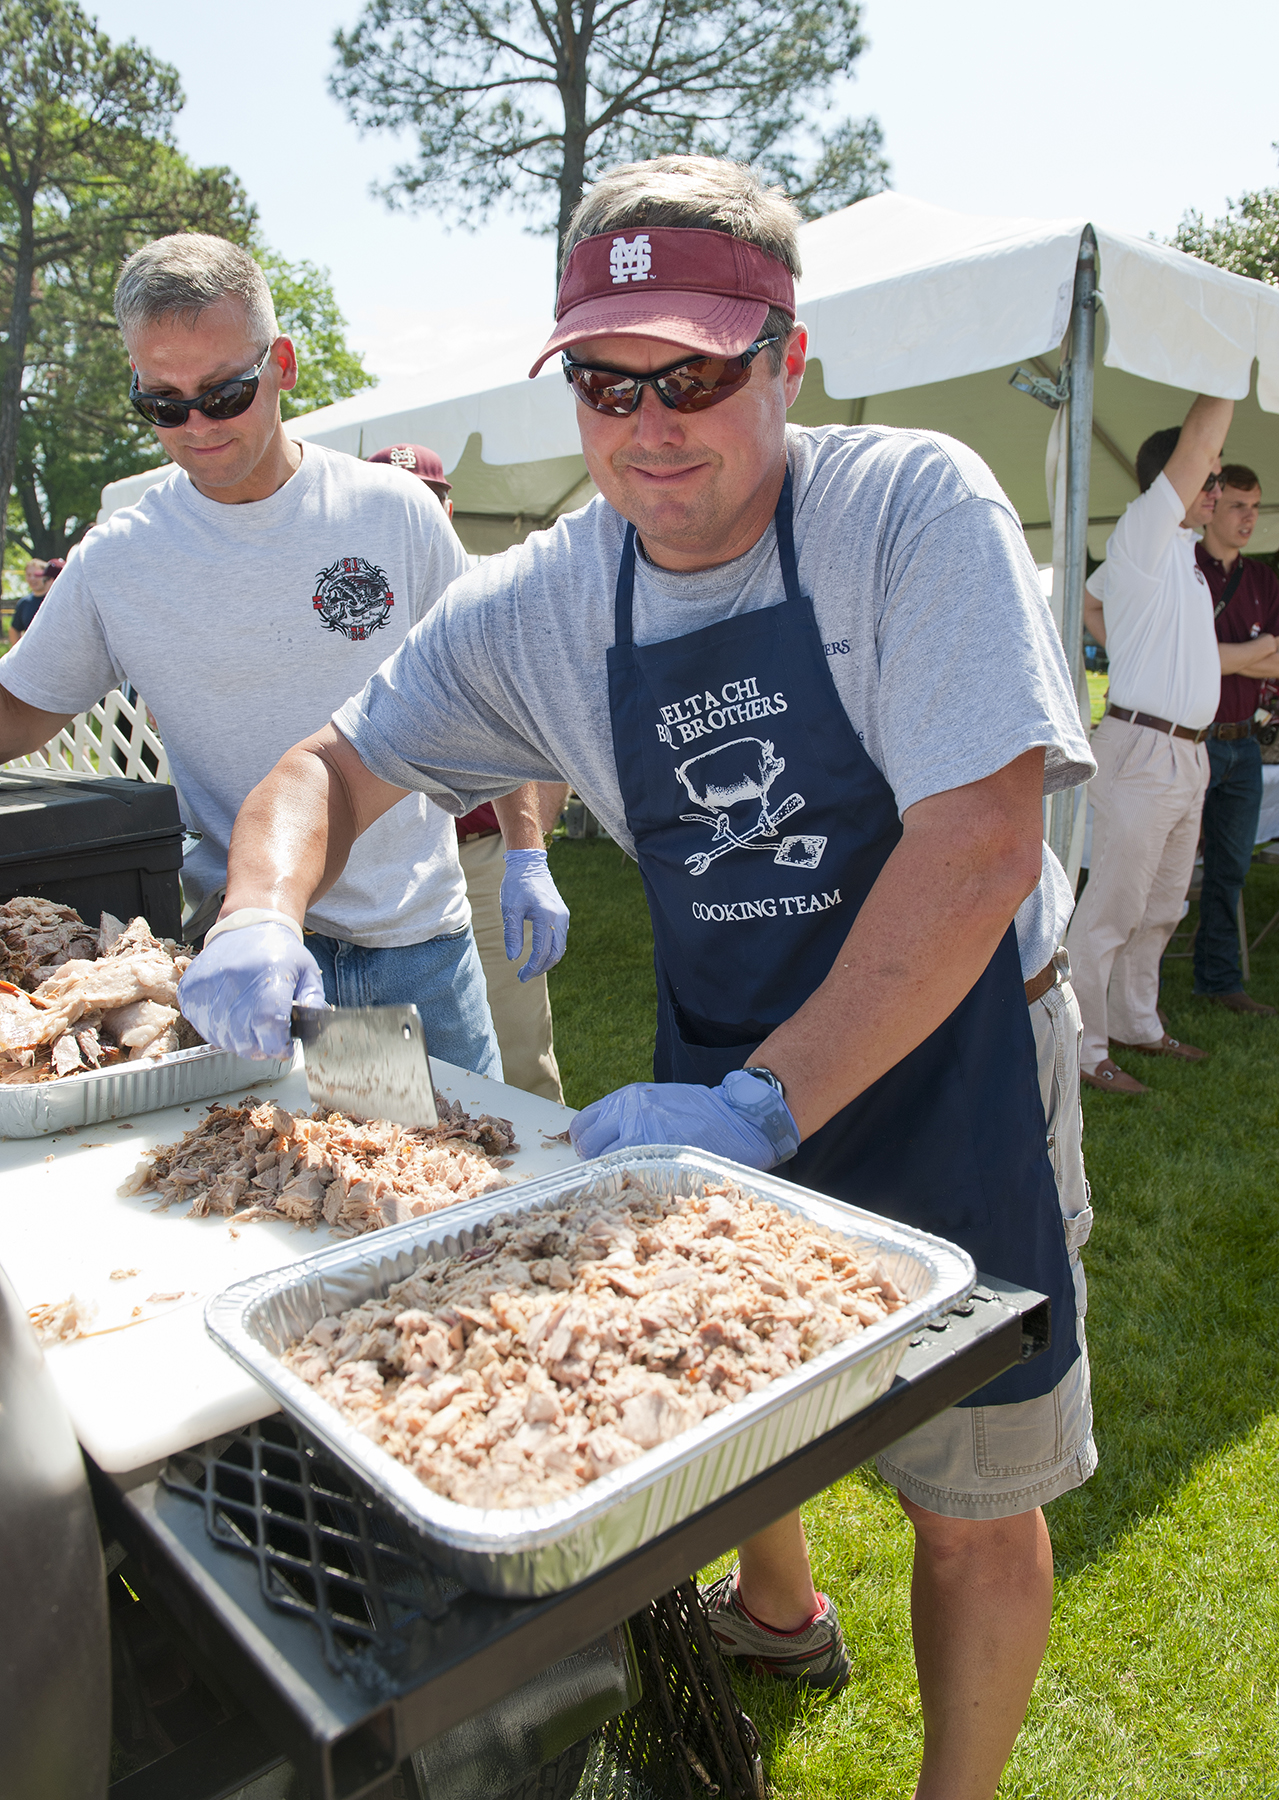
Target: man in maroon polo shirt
{"type": "Point", "coordinates": [1245, 598]}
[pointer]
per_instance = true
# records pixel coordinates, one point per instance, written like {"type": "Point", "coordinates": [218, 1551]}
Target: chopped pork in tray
{"type": "Point", "coordinates": [569, 1341]}
{"type": "Point", "coordinates": [257, 1161]}
{"type": "Point", "coordinates": [73, 999]}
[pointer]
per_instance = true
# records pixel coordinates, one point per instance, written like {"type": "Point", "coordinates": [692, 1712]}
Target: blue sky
{"type": "Point", "coordinates": [1127, 113]}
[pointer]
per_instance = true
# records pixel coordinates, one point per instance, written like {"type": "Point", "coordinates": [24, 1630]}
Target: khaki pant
{"type": "Point", "coordinates": [1147, 797]}
{"type": "Point", "coordinates": [521, 1010]}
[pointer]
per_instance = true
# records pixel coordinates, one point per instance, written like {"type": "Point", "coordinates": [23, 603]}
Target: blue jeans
{"type": "Point", "coordinates": [442, 977]}
{"type": "Point", "coordinates": [1232, 806]}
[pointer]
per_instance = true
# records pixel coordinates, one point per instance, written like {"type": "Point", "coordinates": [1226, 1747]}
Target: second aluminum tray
{"type": "Point", "coordinates": [530, 1551]}
{"type": "Point", "coordinates": [34, 1108]}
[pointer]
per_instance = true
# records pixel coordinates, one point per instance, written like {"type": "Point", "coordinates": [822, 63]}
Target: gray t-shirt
{"type": "Point", "coordinates": [941, 646]}
{"type": "Point", "coordinates": [242, 627]}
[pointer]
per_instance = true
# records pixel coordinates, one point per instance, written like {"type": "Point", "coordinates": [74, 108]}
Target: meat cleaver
{"type": "Point", "coordinates": [368, 1061]}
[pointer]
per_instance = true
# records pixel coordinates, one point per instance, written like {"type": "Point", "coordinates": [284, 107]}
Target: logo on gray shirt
{"type": "Point", "coordinates": [352, 596]}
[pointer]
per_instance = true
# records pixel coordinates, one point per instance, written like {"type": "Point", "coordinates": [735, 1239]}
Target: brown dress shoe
{"type": "Point", "coordinates": [1239, 1002]}
{"type": "Point", "coordinates": [1167, 1046]}
{"type": "Point", "coordinates": [1110, 1078]}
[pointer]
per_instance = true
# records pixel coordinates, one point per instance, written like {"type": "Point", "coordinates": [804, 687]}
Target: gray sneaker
{"type": "Point", "coordinates": [814, 1654]}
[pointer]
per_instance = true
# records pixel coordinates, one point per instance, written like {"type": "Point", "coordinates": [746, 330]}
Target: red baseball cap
{"type": "Point", "coordinates": [415, 459]}
{"type": "Point", "coordinates": [706, 289]}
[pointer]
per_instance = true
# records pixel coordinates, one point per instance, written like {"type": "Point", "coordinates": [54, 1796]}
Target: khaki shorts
{"type": "Point", "coordinates": [992, 1462]}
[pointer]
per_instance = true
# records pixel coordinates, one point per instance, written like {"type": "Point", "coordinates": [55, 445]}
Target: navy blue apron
{"type": "Point", "coordinates": [760, 825]}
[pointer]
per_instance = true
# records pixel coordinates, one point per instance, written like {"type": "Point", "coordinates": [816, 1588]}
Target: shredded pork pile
{"type": "Point", "coordinates": [72, 998]}
{"type": "Point", "coordinates": [568, 1342]}
{"type": "Point", "coordinates": [258, 1161]}
{"type": "Point", "coordinates": [37, 937]}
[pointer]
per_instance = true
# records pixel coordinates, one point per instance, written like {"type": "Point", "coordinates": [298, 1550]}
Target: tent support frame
{"type": "Point", "coordinates": [1083, 342]}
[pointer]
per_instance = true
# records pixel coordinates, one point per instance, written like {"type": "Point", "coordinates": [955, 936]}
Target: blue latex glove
{"type": "Point", "coordinates": [240, 989]}
{"type": "Point", "coordinates": [743, 1119]}
{"type": "Point", "coordinates": [528, 892]}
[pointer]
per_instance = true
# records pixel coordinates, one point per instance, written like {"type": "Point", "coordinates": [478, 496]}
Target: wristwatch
{"type": "Point", "coordinates": [762, 1074]}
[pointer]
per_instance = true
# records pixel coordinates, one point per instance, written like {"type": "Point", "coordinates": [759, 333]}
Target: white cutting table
{"type": "Point", "coordinates": [146, 1387]}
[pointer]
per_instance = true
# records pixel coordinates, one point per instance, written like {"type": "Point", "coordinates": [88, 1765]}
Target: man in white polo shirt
{"type": "Point", "coordinates": [1152, 768]}
{"type": "Point", "coordinates": [243, 597]}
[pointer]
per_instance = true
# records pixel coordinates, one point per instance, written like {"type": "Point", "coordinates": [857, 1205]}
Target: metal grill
{"type": "Point", "coordinates": [688, 1738]}
{"type": "Point", "coordinates": [325, 1550]}
{"type": "Point", "coordinates": [329, 1552]}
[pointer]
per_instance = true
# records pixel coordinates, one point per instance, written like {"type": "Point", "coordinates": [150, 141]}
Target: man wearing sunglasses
{"type": "Point", "coordinates": [1150, 605]}
{"type": "Point", "coordinates": [244, 597]}
{"type": "Point", "coordinates": [743, 655]}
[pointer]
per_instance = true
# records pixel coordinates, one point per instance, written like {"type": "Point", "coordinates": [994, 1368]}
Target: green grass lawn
{"type": "Point", "coordinates": [603, 994]}
{"type": "Point", "coordinates": [1162, 1674]}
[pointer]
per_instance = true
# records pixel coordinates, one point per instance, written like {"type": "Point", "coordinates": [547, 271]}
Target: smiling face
{"type": "Point", "coordinates": [178, 358]}
{"type": "Point", "coordinates": [700, 488]}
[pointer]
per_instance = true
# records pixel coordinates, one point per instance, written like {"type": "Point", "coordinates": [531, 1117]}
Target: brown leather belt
{"type": "Point", "coordinates": [1226, 734]}
{"type": "Point", "coordinates": [1040, 984]}
{"type": "Point", "coordinates": [1181, 731]}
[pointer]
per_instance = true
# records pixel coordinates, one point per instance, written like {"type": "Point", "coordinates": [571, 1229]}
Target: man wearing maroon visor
{"type": "Point", "coordinates": [740, 655]}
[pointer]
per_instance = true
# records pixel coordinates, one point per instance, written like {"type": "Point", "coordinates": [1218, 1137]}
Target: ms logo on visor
{"type": "Point", "coordinates": [630, 262]}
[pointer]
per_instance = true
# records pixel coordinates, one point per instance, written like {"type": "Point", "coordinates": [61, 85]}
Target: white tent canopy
{"type": "Point", "coordinates": [917, 316]}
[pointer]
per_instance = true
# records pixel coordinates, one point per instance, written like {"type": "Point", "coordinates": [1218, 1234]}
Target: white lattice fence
{"type": "Point", "coordinates": [109, 739]}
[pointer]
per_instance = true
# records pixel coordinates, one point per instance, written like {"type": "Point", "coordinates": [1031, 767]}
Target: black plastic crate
{"type": "Point", "coordinates": [98, 843]}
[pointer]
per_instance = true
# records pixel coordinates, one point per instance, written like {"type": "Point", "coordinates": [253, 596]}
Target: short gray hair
{"type": "Point", "coordinates": [179, 276]}
{"type": "Point", "coordinates": [696, 193]}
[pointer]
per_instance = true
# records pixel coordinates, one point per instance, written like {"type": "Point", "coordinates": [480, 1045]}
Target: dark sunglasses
{"type": "Point", "coordinates": [1214, 481]}
{"type": "Point", "coordinates": [688, 386]}
{"type": "Point", "coordinates": [225, 401]}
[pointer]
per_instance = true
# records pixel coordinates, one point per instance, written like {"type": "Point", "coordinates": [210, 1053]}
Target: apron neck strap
{"type": "Point", "coordinates": [624, 598]}
{"type": "Point", "coordinates": [783, 525]}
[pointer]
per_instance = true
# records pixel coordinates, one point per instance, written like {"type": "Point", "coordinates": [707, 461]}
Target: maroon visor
{"type": "Point", "coordinates": [415, 459]}
{"type": "Point", "coordinates": [703, 290]}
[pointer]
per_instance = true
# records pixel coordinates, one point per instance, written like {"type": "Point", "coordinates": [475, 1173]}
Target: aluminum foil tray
{"type": "Point", "coordinates": [531, 1551]}
{"type": "Point", "coordinates": [133, 1087]}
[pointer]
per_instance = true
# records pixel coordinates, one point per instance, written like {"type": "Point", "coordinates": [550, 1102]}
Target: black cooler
{"type": "Point", "coordinates": [98, 843]}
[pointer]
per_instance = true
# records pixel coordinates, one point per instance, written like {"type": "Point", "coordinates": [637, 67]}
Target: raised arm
{"type": "Point", "coordinates": [25, 728]}
{"type": "Point", "coordinates": [1202, 440]}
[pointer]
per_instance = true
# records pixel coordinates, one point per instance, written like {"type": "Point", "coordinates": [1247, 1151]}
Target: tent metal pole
{"type": "Point", "coordinates": [1083, 336]}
